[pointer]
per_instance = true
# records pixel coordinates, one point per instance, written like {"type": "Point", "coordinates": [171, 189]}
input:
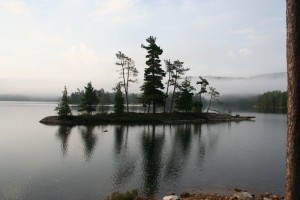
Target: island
{"type": "Point", "coordinates": [143, 118]}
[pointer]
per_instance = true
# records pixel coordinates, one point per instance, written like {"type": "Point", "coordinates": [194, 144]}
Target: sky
{"type": "Point", "coordinates": [46, 45]}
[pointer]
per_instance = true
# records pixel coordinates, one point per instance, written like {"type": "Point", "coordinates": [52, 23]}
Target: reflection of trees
{"type": "Point", "coordinates": [89, 139]}
{"type": "Point", "coordinates": [63, 133]}
{"type": "Point", "coordinates": [152, 146]}
{"type": "Point", "coordinates": [180, 152]}
{"type": "Point", "coordinates": [124, 163]}
{"type": "Point", "coordinates": [201, 145]}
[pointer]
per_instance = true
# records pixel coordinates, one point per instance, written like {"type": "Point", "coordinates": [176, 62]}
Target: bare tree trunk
{"type": "Point", "coordinates": [172, 100]}
{"type": "Point", "coordinates": [209, 104]}
{"type": "Point", "coordinates": [292, 190]}
{"type": "Point", "coordinates": [166, 95]}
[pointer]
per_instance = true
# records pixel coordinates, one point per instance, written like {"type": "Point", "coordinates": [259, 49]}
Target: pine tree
{"type": "Point", "coordinates": [119, 100]}
{"type": "Point", "coordinates": [128, 73]}
{"type": "Point", "coordinates": [203, 84]}
{"type": "Point", "coordinates": [292, 189]}
{"type": "Point", "coordinates": [89, 99]}
{"type": "Point", "coordinates": [178, 71]}
{"type": "Point", "coordinates": [63, 109]}
{"type": "Point", "coordinates": [184, 100]}
{"type": "Point", "coordinates": [152, 87]}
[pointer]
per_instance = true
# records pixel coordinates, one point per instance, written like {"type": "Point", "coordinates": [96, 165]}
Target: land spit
{"type": "Point", "coordinates": [143, 118]}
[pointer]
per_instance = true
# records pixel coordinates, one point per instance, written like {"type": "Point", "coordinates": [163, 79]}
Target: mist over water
{"type": "Point", "coordinates": [252, 85]}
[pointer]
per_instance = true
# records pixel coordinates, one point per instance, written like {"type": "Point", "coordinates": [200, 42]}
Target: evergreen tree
{"type": "Point", "coordinates": [292, 189]}
{"type": "Point", "coordinates": [170, 73]}
{"type": "Point", "coordinates": [184, 100]}
{"type": "Point", "coordinates": [178, 71]}
{"type": "Point", "coordinates": [152, 87]}
{"type": "Point", "coordinates": [119, 100]}
{"type": "Point", "coordinates": [89, 99]}
{"type": "Point", "coordinates": [203, 84]}
{"type": "Point", "coordinates": [128, 72]}
{"type": "Point", "coordinates": [214, 97]}
{"type": "Point", "coordinates": [63, 109]}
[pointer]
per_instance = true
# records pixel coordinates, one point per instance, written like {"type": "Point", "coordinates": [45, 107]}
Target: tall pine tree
{"type": "Point", "coordinates": [89, 100]}
{"type": "Point", "coordinates": [119, 100]}
{"type": "Point", "coordinates": [153, 86]}
{"type": "Point", "coordinates": [63, 109]}
{"type": "Point", "coordinates": [184, 100]}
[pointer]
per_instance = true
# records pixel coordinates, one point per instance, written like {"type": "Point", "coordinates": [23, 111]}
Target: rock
{"type": "Point", "coordinates": [275, 197]}
{"type": "Point", "coordinates": [243, 196]}
{"type": "Point", "coordinates": [237, 190]}
{"type": "Point", "coordinates": [185, 195]}
{"type": "Point", "coordinates": [171, 197]}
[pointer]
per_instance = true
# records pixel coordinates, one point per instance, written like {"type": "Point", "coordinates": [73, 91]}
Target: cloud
{"type": "Point", "coordinates": [118, 11]}
{"type": "Point", "coordinates": [80, 55]}
{"type": "Point", "coordinates": [17, 7]}
{"type": "Point", "coordinates": [245, 52]}
{"type": "Point", "coordinates": [45, 37]}
{"type": "Point", "coordinates": [248, 30]}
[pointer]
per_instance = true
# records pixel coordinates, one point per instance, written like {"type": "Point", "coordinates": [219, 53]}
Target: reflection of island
{"type": "Point", "coordinates": [180, 152]}
{"type": "Point", "coordinates": [63, 133]}
{"type": "Point", "coordinates": [152, 146]}
{"type": "Point", "coordinates": [89, 140]}
{"type": "Point", "coordinates": [124, 163]}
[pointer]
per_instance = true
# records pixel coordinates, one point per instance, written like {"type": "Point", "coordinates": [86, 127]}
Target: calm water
{"type": "Point", "coordinates": [56, 162]}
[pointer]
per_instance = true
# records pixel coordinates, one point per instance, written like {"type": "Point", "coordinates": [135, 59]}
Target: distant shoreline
{"type": "Point", "coordinates": [143, 118]}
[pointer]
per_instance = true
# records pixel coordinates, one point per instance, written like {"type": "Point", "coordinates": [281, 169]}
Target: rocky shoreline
{"type": "Point", "coordinates": [143, 118]}
{"type": "Point", "coordinates": [237, 195]}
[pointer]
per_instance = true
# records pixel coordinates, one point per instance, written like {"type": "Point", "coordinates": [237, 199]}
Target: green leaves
{"type": "Point", "coordinates": [63, 109]}
{"type": "Point", "coordinates": [153, 75]}
{"type": "Point", "coordinates": [89, 99]}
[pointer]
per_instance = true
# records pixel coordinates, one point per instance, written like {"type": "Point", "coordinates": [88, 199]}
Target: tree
{"type": "Point", "coordinates": [63, 109]}
{"type": "Point", "coordinates": [203, 84]}
{"type": "Point", "coordinates": [184, 100]}
{"type": "Point", "coordinates": [119, 100]}
{"type": "Point", "coordinates": [178, 72]}
{"type": "Point", "coordinates": [89, 99]}
{"type": "Point", "coordinates": [128, 72]}
{"type": "Point", "coordinates": [153, 75]}
{"type": "Point", "coordinates": [169, 70]}
{"type": "Point", "coordinates": [292, 189]}
{"type": "Point", "coordinates": [214, 95]}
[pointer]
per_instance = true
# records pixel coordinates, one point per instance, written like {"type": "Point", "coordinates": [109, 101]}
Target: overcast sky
{"type": "Point", "coordinates": [51, 43]}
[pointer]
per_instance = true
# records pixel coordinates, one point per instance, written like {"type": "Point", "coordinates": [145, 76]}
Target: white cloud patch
{"type": "Point", "coordinates": [118, 11]}
{"type": "Point", "coordinates": [45, 37]}
{"type": "Point", "coordinates": [240, 53]}
{"type": "Point", "coordinates": [80, 55]}
{"type": "Point", "coordinates": [17, 7]}
{"type": "Point", "coordinates": [248, 30]}
{"type": "Point", "coordinates": [245, 52]}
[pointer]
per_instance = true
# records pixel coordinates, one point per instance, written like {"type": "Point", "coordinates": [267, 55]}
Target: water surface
{"type": "Point", "coordinates": [59, 162]}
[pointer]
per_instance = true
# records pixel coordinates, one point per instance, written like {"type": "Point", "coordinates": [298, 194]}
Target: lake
{"type": "Point", "coordinates": [58, 162]}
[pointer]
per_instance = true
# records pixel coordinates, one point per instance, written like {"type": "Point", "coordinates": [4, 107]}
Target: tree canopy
{"type": "Point", "coordinates": [63, 109]}
{"type": "Point", "coordinates": [153, 75]}
{"type": "Point", "coordinates": [119, 100]}
{"type": "Point", "coordinates": [89, 99]}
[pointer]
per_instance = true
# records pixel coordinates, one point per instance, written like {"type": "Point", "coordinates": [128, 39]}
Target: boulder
{"type": "Point", "coordinates": [171, 197]}
{"type": "Point", "coordinates": [243, 195]}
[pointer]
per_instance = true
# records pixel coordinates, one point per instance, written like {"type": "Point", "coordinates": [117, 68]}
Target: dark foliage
{"type": "Point", "coordinates": [119, 100]}
{"type": "Point", "coordinates": [63, 109]}
{"type": "Point", "coordinates": [152, 87]}
{"type": "Point", "coordinates": [275, 101]}
{"type": "Point", "coordinates": [89, 99]}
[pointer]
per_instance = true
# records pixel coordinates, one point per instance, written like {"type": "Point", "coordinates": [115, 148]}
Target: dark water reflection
{"type": "Point", "coordinates": [61, 162]}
